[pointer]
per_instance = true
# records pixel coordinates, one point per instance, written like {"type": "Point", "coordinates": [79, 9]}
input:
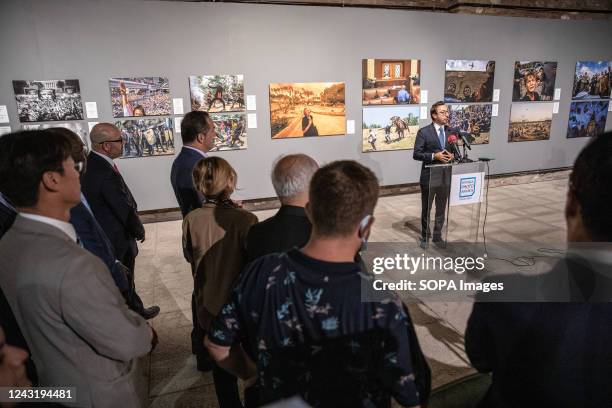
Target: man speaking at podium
{"type": "Point", "coordinates": [430, 148]}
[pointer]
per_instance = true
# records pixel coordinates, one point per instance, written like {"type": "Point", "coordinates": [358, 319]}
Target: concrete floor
{"type": "Point", "coordinates": [530, 213]}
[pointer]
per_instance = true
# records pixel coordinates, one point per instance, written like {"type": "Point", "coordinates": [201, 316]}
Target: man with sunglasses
{"type": "Point", "coordinates": [112, 203]}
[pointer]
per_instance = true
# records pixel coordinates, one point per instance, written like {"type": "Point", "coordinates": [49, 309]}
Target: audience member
{"type": "Point", "coordinates": [299, 315]}
{"type": "Point", "coordinates": [289, 227]}
{"type": "Point", "coordinates": [113, 205]}
{"type": "Point", "coordinates": [73, 317]}
{"type": "Point", "coordinates": [198, 134]}
{"type": "Point", "coordinates": [213, 242]}
{"type": "Point", "coordinates": [557, 353]}
{"type": "Point", "coordinates": [7, 214]}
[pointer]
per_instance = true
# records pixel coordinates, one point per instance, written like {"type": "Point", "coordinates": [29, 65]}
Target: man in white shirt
{"type": "Point", "coordinates": [80, 332]}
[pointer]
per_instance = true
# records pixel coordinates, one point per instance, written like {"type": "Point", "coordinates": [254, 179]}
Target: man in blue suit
{"type": "Point", "coordinates": [112, 203]}
{"type": "Point", "coordinates": [430, 147]}
{"type": "Point", "coordinates": [198, 135]}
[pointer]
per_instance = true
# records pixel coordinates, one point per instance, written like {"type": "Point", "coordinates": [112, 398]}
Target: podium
{"type": "Point", "coordinates": [456, 190]}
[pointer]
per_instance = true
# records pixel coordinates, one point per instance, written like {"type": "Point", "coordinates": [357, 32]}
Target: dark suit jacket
{"type": "Point", "coordinates": [181, 177]}
{"type": "Point", "coordinates": [7, 217]}
{"type": "Point", "coordinates": [288, 228]}
{"type": "Point", "coordinates": [94, 240]}
{"type": "Point", "coordinates": [113, 205]}
{"type": "Point", "coordinates": [425, 144]}
{"type": "Point", "coordinates": [553, 354]}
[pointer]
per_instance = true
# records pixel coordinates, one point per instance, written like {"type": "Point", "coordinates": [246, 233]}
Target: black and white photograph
{"type": "Point", "coordinates": [146, 137]}
{"type": "Point", "coordinates": [48, 100]}
{"type": "Point", "coordinates": [80, 128]}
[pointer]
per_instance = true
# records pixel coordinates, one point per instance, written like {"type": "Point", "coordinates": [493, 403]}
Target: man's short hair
{"type": "Point", "coordinates": [341, 194]}
{"type": "Point", "coordinates": [434, 107]}
{"type": "Point", "coordinates": [590, 184]}
{"type": "Point", "coordinates": [193, 124]}
{"type": "Point", "coordinates": [78, 152]}
{"type": "Point", "coordinates": [291, 174]}
{"type": "Point", "coordinates": [24, 157]}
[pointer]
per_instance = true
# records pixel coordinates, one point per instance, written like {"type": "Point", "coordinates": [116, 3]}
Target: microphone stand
{"type": "Point", "coordinates": [464, 157]}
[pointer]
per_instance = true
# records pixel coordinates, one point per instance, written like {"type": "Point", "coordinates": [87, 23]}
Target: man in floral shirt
{"type": "Point", "coordinates": [295, 323]}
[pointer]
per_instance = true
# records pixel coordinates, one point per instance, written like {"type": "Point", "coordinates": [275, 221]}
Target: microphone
{"type": "Point", "coordinates": [452, 140]}
{"type": "Point", "coordinates": [463, 136]}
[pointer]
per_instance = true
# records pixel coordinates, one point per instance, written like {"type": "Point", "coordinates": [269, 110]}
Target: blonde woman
{"type": "Point", "coordinates": [214, 239]}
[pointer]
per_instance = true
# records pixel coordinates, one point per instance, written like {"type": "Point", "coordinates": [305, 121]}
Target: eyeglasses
{"type": "Point", "coordinates": [442, 112]}
{"type": "Point", "coordinates": [112, 141]}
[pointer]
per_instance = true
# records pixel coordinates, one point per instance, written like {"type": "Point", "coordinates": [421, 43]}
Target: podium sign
{"type": "Point", "coordinates": [466, 188]}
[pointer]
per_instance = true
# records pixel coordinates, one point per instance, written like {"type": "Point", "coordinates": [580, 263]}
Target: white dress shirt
{"type": "Point", "coordinates": [108, 159]}
{"type": "Point", "coordinates": [197, 150]}
{"type": "Point", "coordinates": [65, 227]}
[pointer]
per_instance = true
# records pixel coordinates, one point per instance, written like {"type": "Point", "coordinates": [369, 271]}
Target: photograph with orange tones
{"type": "Point", "coordinates": [307, 109]}
{"type": "Point", "coordinates": [391, 81]}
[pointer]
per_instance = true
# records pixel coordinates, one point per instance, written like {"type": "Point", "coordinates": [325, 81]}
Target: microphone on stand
{"type": "Point", "coordinates": [452, 140]}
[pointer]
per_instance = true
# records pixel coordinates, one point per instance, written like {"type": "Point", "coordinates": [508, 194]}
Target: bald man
{"type": "Point", "coordinates": [113, 205]}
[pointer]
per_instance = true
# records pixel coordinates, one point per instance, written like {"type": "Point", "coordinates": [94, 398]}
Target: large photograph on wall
{"type": "Point", "coordinates": [48, 100]}
{"type": "Point", "coordinates": [231, 131]}
{"type": "Point", "coordinates": [530, 122]}
{"type": "Point", "coordinates": [534, 81]}
{"type": "Point", "coordinates": [474, 119]}
{"type": "Point", "coordinates": [389, 128]}
{"type": "Point", "coordinates": [469, 81]}
{"type": "Point", "coordinates": [146, 137]}
{"type": "Point", "coordinates": [80, 128]}
{"type": "Point", "coordinates": [307, 109]}
{"type": "Point", "coordinates": [140, 96]}
{"type": "Point", "coordinates": [391, 81]}
{"type": "Point", "coordinates": [217, 93]}
{"type": "Point", "coordinates": [592, 80]}
{"type": "Point", "coordinates": [587, 119]}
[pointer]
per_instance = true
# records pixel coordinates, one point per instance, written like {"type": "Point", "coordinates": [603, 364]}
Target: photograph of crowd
{"type": "Point", "coordinates": [530, 121]}
{"type": "Point", "coordinates": [231, 131]}
{"type": "Point", "coordinates": [146, 137]}
{"type": "Point", "coordinates": [587, 119]}
{"type": "Point", "coordinates": [48, 100]}
{"type": "Point", "coordinates": [391, 82]}
{"type": "Point", "coordinates": [469, 81]}
{"type": "Point", "coordinates": [307, 109]}
{"type": "Point", "coordinates": [474, 119]}
{"type": "Point", "coordinates": [146, 96]}
{"type": "Point", "coordinates": [217, 93]}
{"type": "Point", "coordinates": [534, 81]}
{"type": "Point", "coordinates": [592, 80]}
{"type": "Point", "coordinates": [80, 128]}
{"type": "Point", "coordinates": [389, 128]}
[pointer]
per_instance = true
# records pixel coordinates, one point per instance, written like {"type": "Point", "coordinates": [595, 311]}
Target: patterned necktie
{"type": "Point", "coordinates": [441, 136]}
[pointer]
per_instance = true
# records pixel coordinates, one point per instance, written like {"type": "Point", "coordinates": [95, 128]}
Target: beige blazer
{"type": "Point", "coordinates": [80, 332]}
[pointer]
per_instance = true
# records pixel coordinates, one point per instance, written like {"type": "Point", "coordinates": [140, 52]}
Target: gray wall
{"type": "Point", "coordinates": [95, 40]}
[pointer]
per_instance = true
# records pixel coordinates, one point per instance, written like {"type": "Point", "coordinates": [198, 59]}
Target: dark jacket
{"type": "Point", "coordinates": [113, 205]}
{"type": "Point", "coordinates": [94, 239]}
{"type": "Point", "coordinates": [7, 217]}
{"type": "Point", "coordinates": [425, 145]}
{"type": "Point", "coordinates": [181, 177]}
{"type": "Point", "coordinates": [288, 228]}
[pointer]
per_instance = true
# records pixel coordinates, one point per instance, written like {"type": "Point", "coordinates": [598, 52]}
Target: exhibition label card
{"type": "Point", "coordinates": [423, 112]}
{"type": "Point", "coordinates": [4, 130]}
{"type": "Point", "coordinates": [252, 120]}
{"type": "Point", "coordinates": [556, 107]}
{"type": "Point", "coordinates": [557, 94]}
{"type": "Point", "coordinates": [91, 125]}
{"type": "Point", "coordinates": [424, 95]}
{"type": "Point", "coordinates": [610, 107]}
{"type": "Point", "coordinates": [178, 106]}
{"type": "Point", "coordinates": [495, 110]}
{"type": "Point", "coordinates": [350, 127]}
{"type": "Point", "coordinates": [251, 102]}
{"type": "Point", "coordinates": [496, 95]}
{"type": "Point", "coordinates": [92, 110]}
{"type": "Point", "coordinates": [3, 114]}
{"type": "Point", "coordinates": [177, 123]}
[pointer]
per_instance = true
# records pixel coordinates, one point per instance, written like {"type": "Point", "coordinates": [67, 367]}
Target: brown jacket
{"type": "Point", "coordinates": [214, 240]}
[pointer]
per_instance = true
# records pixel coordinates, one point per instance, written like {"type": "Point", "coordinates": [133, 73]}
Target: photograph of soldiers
{"type": "Point", "coordinates": [592, 80]}
{"type": "Point", "coordinates": [146, 137]}
{"type": "Point", "coordinates": [534, 81]}
{"type": "Point", "coordinates": [469, 81]}
{"type": "Point", "coordinates": [48, 100]}
{"type": "Point", "coordinates": [587, 119]}
{"type": "Point", "coordinates": [135, 96]}
{"type": "Point", "coordinates": [80, 128]}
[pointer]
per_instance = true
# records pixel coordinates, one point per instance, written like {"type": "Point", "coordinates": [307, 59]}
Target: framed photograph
{"type": "Point", "coordinates": [80, 128]}
{"type": "Point", "coordinates": [474, 119]}
{"type": "Point", "coordinates": [534, 81]}
{"type": "Point", "coordinates": [140, 96]}
{"type": "Point", "coordinates": [587, 119]}
{"type": "Point", "coordinates": [530, 121]}
{"type": "Point", "coordinates": [146, 137]}
{"type": "Point", "coordinates": [391, 81]}
{"type": "Point", "coordinates": [48, 100]}
{"type": "Point", "coordinates": [389, 128]}
{"type": "Point", "coordinates": [307, 109]}
{"type": "Point", "coordinates": [469, 81]}
{"type": "Point", "coordinates": [592, 80]}
{"type": "Point", "coordinates": [231, 131]}
{"type": "Point", "coordinates": [217, 93]}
